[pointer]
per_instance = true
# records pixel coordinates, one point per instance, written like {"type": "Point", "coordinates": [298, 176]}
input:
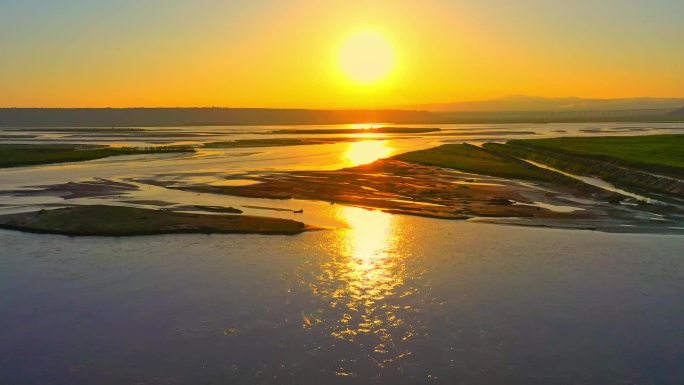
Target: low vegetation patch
{"type": "Point", "coordinates": [100, 220]}
{"type": "Point", "coordinates": [473, 159]}
{"type": "Point", "coordinates": [654, 153]}
{"type": "Point", "coordinates": [647, 165]}
{"type": "Point", "coordinates": [14, 155]}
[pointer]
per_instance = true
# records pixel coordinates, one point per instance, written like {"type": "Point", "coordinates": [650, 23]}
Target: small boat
{"type": "Point", "coordinates": [300, 211]}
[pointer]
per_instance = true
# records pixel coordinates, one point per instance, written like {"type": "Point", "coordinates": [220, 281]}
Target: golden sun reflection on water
{"type": "Point", "coordinates": [364, 284]}
{"type": "Point", "coordinates": [362, 126]}
{"type": "Point", "coordinates": [369, 151]}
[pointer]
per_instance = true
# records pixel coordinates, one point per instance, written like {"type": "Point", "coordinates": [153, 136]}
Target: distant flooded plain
{"type": "Point", "coordinates": [375, 298]}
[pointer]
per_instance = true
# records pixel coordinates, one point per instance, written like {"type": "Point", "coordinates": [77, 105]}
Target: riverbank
{"type": "Point", "coordinates": [651, 165]}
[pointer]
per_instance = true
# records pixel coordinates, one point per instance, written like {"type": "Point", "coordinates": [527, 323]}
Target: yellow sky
{"type": "Point", "coordinates": [286, 53]}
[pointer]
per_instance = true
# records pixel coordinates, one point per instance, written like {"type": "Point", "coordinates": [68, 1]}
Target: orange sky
{"type": "Point", "coordinates": [286, 53]}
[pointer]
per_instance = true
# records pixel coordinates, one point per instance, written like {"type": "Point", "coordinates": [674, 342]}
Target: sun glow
{"type": "Point", "coordinates": [367, 57]}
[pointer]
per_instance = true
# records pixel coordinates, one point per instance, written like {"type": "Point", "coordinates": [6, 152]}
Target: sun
{"type": "Point", "coordinates": [366, 57]}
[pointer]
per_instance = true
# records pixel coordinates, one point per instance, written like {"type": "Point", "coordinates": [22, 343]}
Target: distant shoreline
{"type": "Point", "coordinates": [167, 117]}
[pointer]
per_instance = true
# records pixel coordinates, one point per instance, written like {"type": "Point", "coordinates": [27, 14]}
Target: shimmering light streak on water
{"type": "Point", "coordinates": [366, 281]}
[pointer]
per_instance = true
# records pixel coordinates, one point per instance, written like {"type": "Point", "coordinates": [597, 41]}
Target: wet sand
{"type": "Point", "coordinates": [398, 187]}
{"type": "Point", "coordinates": [211, 180]}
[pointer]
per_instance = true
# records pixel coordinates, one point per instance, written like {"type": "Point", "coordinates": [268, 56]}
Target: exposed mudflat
{"type": "Point", "coordinates": [345, 166]}
{"type": "Point", "coordinates": [401, 187]}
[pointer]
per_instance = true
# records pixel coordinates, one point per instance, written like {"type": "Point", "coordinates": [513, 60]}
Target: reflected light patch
{"type": "Point", "coordinates": [363, 126]}
{"type": "Point", "coordinates": [367, 151]}
{"type": "Point", "coordinates": [369, 238]}
{"type": "Point", "coordinates": [364, 280]}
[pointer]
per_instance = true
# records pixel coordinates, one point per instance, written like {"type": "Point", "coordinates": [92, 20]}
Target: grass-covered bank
{"type": "Point", "coordinates": [649, 165]}
{"type": "Point", "coordinates": [655, 153]}
{"type": "Point", "coordinates": [476, 160]}
{"type": "Point", "coordinates": [15, 155]}
{"type": "Point", "coordinates": [100, 220]}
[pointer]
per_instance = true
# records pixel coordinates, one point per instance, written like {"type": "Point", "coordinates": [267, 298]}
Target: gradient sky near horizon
{"type": "Point", "coordinates": [284, 53]}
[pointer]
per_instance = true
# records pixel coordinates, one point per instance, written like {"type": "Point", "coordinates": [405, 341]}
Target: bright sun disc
{"type": "Point", "coordinates": [366, 57]}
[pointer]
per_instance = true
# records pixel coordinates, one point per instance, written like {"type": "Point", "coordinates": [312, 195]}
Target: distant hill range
{"type": "Point", "coordinates": [524, 110]}
{"type": "Point", "coordinates": [534, 103]}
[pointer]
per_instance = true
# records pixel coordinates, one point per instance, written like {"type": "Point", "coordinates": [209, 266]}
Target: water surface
{"type": "Point", "coordinates": [375, 299]}
{"type": "Point", "coordinates": [389, 300]}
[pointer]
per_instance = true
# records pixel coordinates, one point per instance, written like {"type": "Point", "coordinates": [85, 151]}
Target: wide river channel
{"type": "Point", "coordinates": [375, 299]}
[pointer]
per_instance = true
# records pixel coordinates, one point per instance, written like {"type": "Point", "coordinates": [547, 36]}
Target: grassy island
{"type": "Point", "coordinates": [100, 220]}
{"type": "Point", "coordinates": [14, 155]}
